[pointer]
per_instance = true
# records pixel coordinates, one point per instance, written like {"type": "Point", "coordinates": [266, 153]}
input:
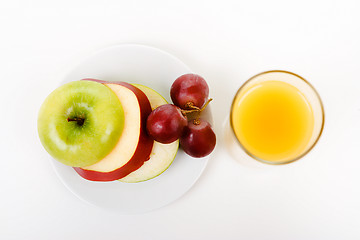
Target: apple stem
{"type": "Point", "coordinates": [79, 121]}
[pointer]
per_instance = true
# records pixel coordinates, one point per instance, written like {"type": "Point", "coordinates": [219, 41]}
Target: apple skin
{"type": "Point", "coordinates": [162, 155]}
{"type": "Point", "coordinates": [143, 149]}
{"type": "Point", "coordinates": [80, 144]}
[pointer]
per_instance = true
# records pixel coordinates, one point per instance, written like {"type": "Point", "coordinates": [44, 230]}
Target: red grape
{"type": "Point", "coordinates": [166, 123]}
{"type": "Point", "coordinates": [189, 89]}
{"type": "Point", "coordinates": [198, 139]}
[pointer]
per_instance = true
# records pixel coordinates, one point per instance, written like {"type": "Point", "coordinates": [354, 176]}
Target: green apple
{"type": "Point", "coordinates": [162, 155]}
{"type": "Point", "coordinates": [80, 123]}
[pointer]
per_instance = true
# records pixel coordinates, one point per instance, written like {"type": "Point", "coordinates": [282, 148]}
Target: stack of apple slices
{"type": "Point", "coordinates": [121, 149]}
{"type": "Point", "coordinates": [162, 155]}
{"type": "Point", "coordinates": [126, 161]}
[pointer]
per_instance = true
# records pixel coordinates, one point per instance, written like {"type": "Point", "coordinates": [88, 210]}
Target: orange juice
{"type": "Point", "coordinates": [273, 121]}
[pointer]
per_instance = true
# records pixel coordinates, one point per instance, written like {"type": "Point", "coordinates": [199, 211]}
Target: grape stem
{"type": "Point", "coordinates": [191, 106]}
{"type": "Point", "coordinates": [185, 112]}
{"type": "Point", "coordinates": [196, 121]}
{"type": "Point", "coordinates": [195, 109]}
{"type": "Point", "coordinates": [205, 105]}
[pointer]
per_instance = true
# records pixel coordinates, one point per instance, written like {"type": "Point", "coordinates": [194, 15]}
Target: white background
{"type": "Point", "coordinates": [227, 42]}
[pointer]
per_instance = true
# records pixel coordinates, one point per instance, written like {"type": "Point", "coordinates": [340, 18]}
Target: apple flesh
{"type": "Point", "coordinates": [134, 145]}
{"type": "Point", "coordinates": [80, 123]}
{"type": "Point", "coordinates": [162, 155]}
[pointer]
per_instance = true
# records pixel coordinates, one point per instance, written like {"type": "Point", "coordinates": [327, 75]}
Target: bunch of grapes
{"type": "Point", "coordinates": [170, 122]}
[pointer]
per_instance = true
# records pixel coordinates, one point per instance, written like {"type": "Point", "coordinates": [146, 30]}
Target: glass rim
{"type": "Point", "coordinates": [309, 148]}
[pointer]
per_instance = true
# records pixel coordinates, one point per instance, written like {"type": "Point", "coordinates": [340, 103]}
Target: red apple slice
{"type": "Point", "coordinates": [161, 156]}
{"type": "Point", "coordinates": [134, 146]}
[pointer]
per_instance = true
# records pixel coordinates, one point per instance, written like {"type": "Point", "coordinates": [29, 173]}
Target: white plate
{"type": "Point", "coordinates": [156, 69]}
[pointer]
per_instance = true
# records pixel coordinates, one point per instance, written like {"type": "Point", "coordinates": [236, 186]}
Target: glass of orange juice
{"type": "Point", "coordinates": [277, 117]}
